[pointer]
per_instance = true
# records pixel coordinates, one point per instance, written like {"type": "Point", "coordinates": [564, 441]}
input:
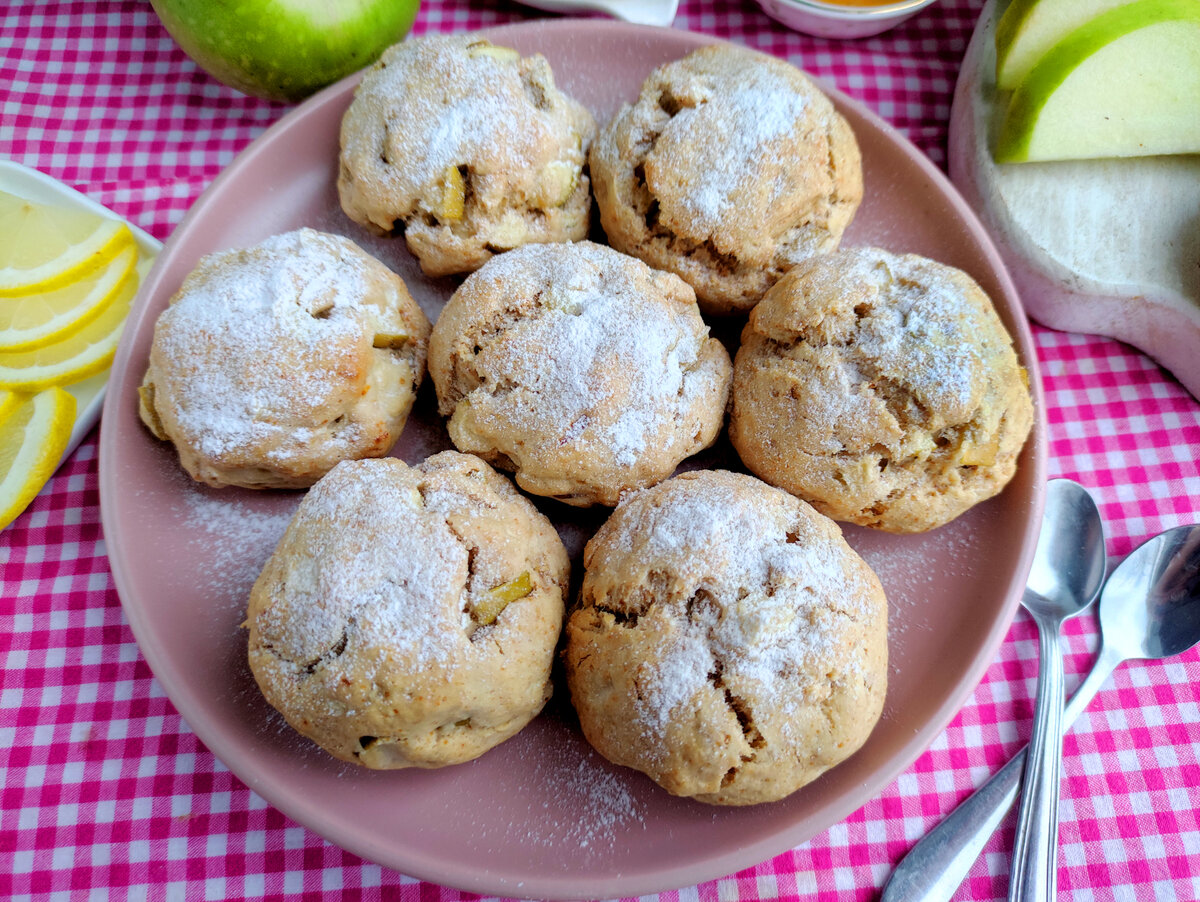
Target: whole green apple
{"type": "Point", "coordinates": [285, 49]}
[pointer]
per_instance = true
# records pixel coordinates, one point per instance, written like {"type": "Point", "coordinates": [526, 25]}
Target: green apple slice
{"type": "Point", "coordinates": [1029, 28]}
{"type": "Point", "coordinates": [1127, 83]}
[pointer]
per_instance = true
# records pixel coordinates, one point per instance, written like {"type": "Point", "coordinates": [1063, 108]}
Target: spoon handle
{"type": "Point", "coordinates": [937, 865]}
{"type": "Point", "coordinates": [1035, 852]}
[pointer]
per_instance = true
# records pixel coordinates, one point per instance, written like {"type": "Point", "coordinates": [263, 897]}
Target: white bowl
{"type": "Point", "coordinates": [831, 20]}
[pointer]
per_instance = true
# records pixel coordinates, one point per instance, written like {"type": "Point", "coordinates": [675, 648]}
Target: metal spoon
{"type": "Point", "coordinates": [1068, 570]}
{"type": "Point", "coordinates": [1149, 609]}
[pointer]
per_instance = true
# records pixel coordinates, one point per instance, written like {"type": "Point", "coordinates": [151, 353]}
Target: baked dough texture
{"type": "Point", "coordinates": [881, 388]}
{"type": "Point", "coordinates": [730, 168]}
{"type": "Point", "coordinates": [728, 642]}
{"type": "Point", "coordinates": [579, 368]}
{"type": "Point", "coordinates": [409, 615]}
{"type": "Point", "coordinates": [275, 362]}
{"type": "Point", "coordinates": [466, 147]}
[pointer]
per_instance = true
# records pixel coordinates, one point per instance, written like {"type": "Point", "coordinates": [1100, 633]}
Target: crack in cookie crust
{"type": "Point", "coordinates": [468, 149]}
{"type": "Point", "coordinates": [730, 168]}
{"type": "Point", "coordinates": [275, 362]}
{"type": "Point", "coordinates": [582, 369]}
{"type": "Point", "coordinates": [376, 627]}
{"type": "Point", "coordinates": [882, 388]}
{"type": "Point", "coordinates": [719, 619]}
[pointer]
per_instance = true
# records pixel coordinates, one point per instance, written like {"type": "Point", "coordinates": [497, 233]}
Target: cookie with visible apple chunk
{"type": "Point", "coordinates": [728, 642]}
{"type": "Point", "coordinates": [731, 167]}
{"type": "Point", "coordinates": [274, 363]}
{"type": "Point", "coordinates": [468, 149]}
{"type": "Point", "coordinates": [579, 368]}
{"type": "Point", "coordinates": [881, 388]}
{"type": "Point", "coordinates": [409, 615]}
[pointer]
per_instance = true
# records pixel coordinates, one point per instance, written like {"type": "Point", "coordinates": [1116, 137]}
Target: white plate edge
{"type": "Point", "coordinates": [35, 185]}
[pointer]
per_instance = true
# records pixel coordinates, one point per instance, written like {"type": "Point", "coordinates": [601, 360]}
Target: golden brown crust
{"type": "Point", "coordinates": [275, 362]}
{"type": "Point", "coordinates": [881, 388]}
{"type": "Point", "coordinates": [468, 148]}
{"type": "Point", "coordinates": [731, 167]}
{"type": "Point", "coordinates": [581, 369]}
{"type": "Point", "coordinates": [408, 617]}
{"type": "Point", "coordinates": [728, 642]}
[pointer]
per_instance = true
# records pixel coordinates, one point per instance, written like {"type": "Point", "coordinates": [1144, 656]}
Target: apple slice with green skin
{"type": "Point", "coordinates": [1127, 83]}
{"type": "Point", "coordinates": [285, 49]}
{"type": "Point", "coordinates": [1029, 28]}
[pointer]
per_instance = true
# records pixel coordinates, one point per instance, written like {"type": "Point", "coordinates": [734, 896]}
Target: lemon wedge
{"type": "Point", "coordinates": [34, 432]}
{"type": "Point", "coordinates": [80, 354]}
{"type": "Point", "coordinates": [36, 320]}
{"type": "Point", "coordinates": [43, 247]}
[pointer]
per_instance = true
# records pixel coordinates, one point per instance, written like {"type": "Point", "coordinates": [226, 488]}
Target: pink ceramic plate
{"type": "Point", "coordinates": [542, 815]}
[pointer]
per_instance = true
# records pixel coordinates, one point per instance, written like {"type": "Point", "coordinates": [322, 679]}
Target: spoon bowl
{"type": "Point", "coordinates": [1150, 607]}
{"type": "Point", "coordinates": [1068, 565]}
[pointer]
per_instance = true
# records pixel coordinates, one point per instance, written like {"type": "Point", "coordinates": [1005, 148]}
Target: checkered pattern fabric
{"type": "Point", "coordinates": [106, 793]}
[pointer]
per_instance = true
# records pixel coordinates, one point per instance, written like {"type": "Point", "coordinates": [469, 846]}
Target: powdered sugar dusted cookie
{"type": "Point", "coordinates": [728, 642]}
{"type": "Point", "coordinates": [466, 147]}
{"type": "Point", "coordinates": [730, 168]}
{"type": "Point", "coordinates": [274, 363]}
{"type": "Point", "coordinates": [409, 615]}
{"type": "Point", "coordinates": [579, 368]}
{"type": "Point", "coordinates": [882, 388]}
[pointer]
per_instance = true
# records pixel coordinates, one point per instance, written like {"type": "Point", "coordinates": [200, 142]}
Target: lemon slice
{"type": "Point", "coordinates": [43, 247]}
{"type": "Point", "coordinates": [81, 354]}
{"type": "Point", "coordinates": [34, 432]}
{"type": "Point", "coordinates": [36, 320]}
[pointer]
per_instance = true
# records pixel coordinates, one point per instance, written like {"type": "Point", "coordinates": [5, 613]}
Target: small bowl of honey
{"type": "Point", "coordinates": [842, 18]}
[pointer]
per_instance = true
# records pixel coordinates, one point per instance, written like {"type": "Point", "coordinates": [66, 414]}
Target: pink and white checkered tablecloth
{"type": "Point", "coordinates": [107, 793]}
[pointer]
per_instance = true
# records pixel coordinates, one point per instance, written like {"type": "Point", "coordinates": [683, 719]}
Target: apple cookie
{"type": "Point", "coordinates": [274, 363]}
{"type": "Point", "coordinates": [466, 147]}
{"type": "Point", "coordinates": [727, 642]}
{"type": "Point", "coordinates": [881, 388]}
{"type": "Point", "coordinates": [580, 369]}
{"type": "Point", "coordinates": [730, 168]}
{"type": "Point", "coordinates": [409, 615]}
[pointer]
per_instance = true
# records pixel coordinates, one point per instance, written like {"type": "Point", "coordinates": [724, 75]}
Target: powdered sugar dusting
{"type": "Point", "coordinates": [896, 343]}
{"type": "Point", "coordinates": [735, 126]}
{"type": "Point", "coordinates": [364, 551]}
{"type": "Point", "coordinates": [462, 126]}
{"type": "Point", "coordinates": [600, 361]}
{"type": "Point", "coordinates": [556, 792]}
{"type": "Point", "coordinates": [292, 298]}
{"type": "Point", "coordinates": [450, 101]}
{"type": "Point", "coordinates": [768, 573]}
{"type": "Point", "coordinates": [923, 333]}
{"type": "Point", "coordinates": [587, 787]}
{"type": "Point", "coordinates": [906, 568]}
{"type": "Point", "coordinates": [921, 328]}
{"type": "Point", "coordinates": [233, 537]}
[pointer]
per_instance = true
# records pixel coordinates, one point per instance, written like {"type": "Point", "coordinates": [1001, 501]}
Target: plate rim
{"type": "Point", "coordinates": [739, 856]}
